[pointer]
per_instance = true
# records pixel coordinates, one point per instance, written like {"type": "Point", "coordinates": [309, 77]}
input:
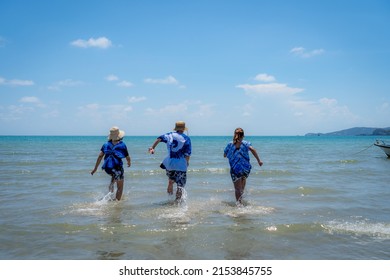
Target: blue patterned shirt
{"type": "Point", "coordinates": [238, 158]}
{"type": "Point", "coordinates": [179, 147]}
{"type": "Point", "coordinates": [118, 152]}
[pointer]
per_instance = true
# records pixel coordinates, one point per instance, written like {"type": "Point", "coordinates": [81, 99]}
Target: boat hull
{"type": "Point", "coordinates": [385, 148]}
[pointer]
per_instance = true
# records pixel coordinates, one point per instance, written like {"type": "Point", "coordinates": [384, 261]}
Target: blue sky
{"type": "Point", "coordinates": [270, 67]}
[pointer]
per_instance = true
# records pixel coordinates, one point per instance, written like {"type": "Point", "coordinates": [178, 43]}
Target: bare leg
{"type": "Point", "coordinates": [239, 186]}
{"type": "Point", "coordinates": [243, 184]}
{"type": "Point", "coordinates": [119, 190]}
{"type": "Point", "coordinates": [111, 186]}
{"type": "Point", "coordinates": [179, 193]}
{"type": "Point", "coordinates": [170, 186]}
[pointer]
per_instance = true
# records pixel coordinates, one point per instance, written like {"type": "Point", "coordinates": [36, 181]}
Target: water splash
{"type": "Point", "coordinates": [245, 209]}
{"type": "Point", "coordinates": [110, 196]}
{"type": "Point", "coordinates": [182, 201]}
{"type": "Point", "coordinates": [359, 228]}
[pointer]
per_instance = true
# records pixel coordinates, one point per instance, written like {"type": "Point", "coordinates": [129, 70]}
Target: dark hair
{"type": "Point", "coordinates": [238, 133]}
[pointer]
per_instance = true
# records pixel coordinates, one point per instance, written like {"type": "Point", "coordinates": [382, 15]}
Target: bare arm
{"type": "Point", "coordinates": [151, 149]}
{"type": "Point", "coordinates": [128, 159]}
{"type": "Point", "coordinates": [98, 160]}
{"type": "Point", "coordinates": [254, 152]}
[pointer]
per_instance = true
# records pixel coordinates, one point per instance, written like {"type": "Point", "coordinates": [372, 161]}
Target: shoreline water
{"type": "Point", "coordinates": [314, 198]}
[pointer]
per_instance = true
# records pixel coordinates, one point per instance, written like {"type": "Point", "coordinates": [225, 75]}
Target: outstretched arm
{"type": "Point", "coordinates": [128, 159]}
{"type": "Point", "coordinates": [98, 160]}
{"type": "Point", "coordinates": [254, 152]}
{"type": "Point", "coordinates": [151, 149]}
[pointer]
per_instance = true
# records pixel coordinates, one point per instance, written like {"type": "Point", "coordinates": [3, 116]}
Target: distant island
{"type": "Point", "coordinates": [356, 131]}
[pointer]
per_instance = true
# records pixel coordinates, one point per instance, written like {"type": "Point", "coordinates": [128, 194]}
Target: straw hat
{"type": "Point", "coordinates": [180, 126]}
{"type": "Point", "coordinates": [116, 134]}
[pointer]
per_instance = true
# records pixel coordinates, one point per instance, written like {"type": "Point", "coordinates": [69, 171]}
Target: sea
{"type": "Point", "coordinates": [315, 198]}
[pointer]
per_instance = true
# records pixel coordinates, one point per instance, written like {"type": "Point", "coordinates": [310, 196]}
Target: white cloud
{"type": "Point", "coordinates": [92, 106]}
{"type": "Point", "coordinates": [112, 78]}
{"type": "Point", "coordinates": [269, 89]}
{"type": "Point", "coordinates": [90, 111]}
{"type": "Point", "coordinates": [188, 108]}
{"type": "Point", "coordinates": [21, 82]}
{"type": "Point", "coordinates": [170, 80]}
{"type": "Point", "coordinates": [124, 84]}
{"type": "Point", "coordinates": [97, 112]}
{"type": "Point", "coordinates": [101, 43]}
{"type": "Point", "coordinates": [16, 82]}
{"type": "Point", "coordinates": [322, 111]}
{"type": "Point", "coordinates": [64, 83]}
{"type": "Point", "coordinates": [328, 101]}
{"type": "Point", "coordinates": [284, 107]}
{"type": "Point", "coordinates": [29, 99]}
{"type": "Point", "coordinates": [119, 112]}
{"type": "Point", "coordinates": [134, 99]}
{"type": "Point", "coordinates": [69, 83]}
{"type": "Point", "coordinates": [33, 100]}
{"type": "Point", "coordinates": [16, 112]}
{"type": "Point", "coordinates": [265, 78]}
{"type": "Point", "coordinates": [51, 114]}
{"type": "Point", "coordinates": [302, 52]}
{"type": "Point", "coordinates": [203, 111]}
{"type": "Point", "coordinates": [168, 110]}
{"type": "Point", "coordinates": [27, 105]}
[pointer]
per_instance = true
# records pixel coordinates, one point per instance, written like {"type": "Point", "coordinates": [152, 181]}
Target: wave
{"type": "Point", "coordinates": [341, 161]}
{"type": "Point", "coordinates": [159, 171]}
{"type": "Point", "coordinates": [247, 211]}
{"type": "Point", "coordinates": [275, 173]}
{"type": "Point", "coordinates": [216, 170]}
{"type": "Point", "coordinates": [359, 228]}
{"type": "Point", "coordinates": [300, 191]}
{"type": "Point", "coordinates": [210, 170]}
{"type": "Point", "coordinates": [294, 228]}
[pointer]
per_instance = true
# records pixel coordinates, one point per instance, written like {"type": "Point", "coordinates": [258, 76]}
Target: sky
{"type": "Point", "coordinates": [274, 68]}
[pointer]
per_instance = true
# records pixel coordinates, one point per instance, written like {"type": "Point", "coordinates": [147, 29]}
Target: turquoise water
{"type": "Point", "coordinates": [314, 198]}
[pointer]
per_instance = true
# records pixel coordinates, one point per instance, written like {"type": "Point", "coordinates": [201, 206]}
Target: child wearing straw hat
{"type": "Point", "coordinates": [178, 158]}
{"type": "Point", "coordinates": [113, 151]}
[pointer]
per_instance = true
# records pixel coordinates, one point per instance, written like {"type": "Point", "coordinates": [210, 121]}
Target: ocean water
{"type": "Point", "coordinates": [315, 198]}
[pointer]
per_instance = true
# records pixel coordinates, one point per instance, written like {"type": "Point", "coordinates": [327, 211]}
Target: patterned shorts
{"type": "Point", "coordinates": [179, 177]}
{"type": "Point", "coordinates": [117, 173]}
{"type": "Point", "coordinates": [242, 174]}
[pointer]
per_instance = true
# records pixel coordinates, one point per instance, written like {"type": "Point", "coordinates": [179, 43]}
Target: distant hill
{"type": "Point", "coordinates": [356, 131]}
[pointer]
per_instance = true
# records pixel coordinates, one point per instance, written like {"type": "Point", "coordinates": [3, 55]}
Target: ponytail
{"type": "Point", "coordinates": [238, 134]}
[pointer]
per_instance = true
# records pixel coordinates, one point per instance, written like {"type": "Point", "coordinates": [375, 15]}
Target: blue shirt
{"type": "Point", "coordinates": [238, 158]}
{"type": "Point", "coordinates": [179, 147]}
{"type": "Point", "coordinates": [119, 151]}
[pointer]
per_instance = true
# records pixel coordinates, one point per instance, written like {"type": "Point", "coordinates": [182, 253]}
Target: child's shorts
{"type": "Point", "coordinates": [236, 177]}
{"type": "Point", "coordinates": [179, 177]}
{"type": "Point", "coordinates": [117, 173]}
